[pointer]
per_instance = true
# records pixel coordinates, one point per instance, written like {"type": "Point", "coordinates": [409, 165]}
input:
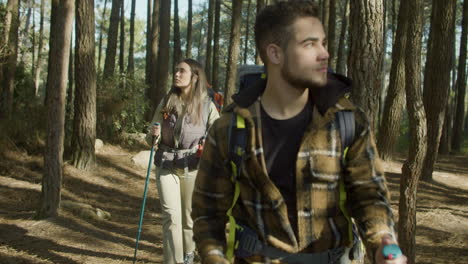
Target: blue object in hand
{"type": "Point", "coordinates": [391, 251]}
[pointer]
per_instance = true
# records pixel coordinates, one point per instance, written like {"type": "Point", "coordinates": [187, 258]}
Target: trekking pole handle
{"type": "Point", "coordinates": [391, 251]}
{"type": "Point", "coordinates": [155, 131]}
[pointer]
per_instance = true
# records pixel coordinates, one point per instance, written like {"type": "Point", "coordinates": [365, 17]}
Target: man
{"type": "Point", "coordinates": [290, 176]}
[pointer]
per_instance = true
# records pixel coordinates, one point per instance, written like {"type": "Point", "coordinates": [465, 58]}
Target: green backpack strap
{"type": "Point", "coordinates": [347, 126]}
{"type": "Point", "coordinates": [237, 137]}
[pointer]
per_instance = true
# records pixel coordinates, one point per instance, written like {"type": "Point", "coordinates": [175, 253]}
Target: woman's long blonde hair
{"type": "Point", "coordinates": [196, 98]}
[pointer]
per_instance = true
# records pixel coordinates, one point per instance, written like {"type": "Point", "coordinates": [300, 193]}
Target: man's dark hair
{"type": "Point", "coordinates": [273, 23]}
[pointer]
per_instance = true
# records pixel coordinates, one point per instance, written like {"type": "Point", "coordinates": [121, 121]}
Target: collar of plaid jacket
{"type": "Point", "coordinates": [324, 98]}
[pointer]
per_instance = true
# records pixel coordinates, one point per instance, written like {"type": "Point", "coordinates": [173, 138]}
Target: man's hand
{"type": "Point", "coordinates": [379, 257]}
{"type": "Point", "coordinates": [155, 132]}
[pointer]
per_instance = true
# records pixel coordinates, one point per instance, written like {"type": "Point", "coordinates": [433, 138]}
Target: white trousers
{"type": "Point", "coordinates": [175, 195]}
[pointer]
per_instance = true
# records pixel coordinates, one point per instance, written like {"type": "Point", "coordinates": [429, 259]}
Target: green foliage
{"type": "Point", "coordinates": [121, 105]}
{"type": "Point", "coordinates": [27, 126]}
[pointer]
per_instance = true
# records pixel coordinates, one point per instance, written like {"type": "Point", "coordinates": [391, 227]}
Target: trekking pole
{"type": "Point", "coordinates": [142, 211]}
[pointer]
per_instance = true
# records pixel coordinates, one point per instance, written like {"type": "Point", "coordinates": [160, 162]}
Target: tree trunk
{"type": "Point", "coordinates": [131, 61]}
{"type": "Point", "coordinates": [341, 60]}
{"type": "Point", "coordinates": [209, 44]}
{"type": "Point", "coordinates": [461, 84]}
{"type": "Point", "coordinates": [247, 26]}
{"type": "Point", "coordinates": [69, 97]}
{"type": "Point", "coordinates": [163, 53]}
{"type": "Point", "coordinates": [188, 49]}
{"type": "Point", "coordinates": [59, 43]}
{"type": "Point", "coordinates": [384, 68]}
{"type": "Point", "coordinates": [234, 46]}
{"type": "Point", "coordinates": [84, 123]}
{"type": "Point", "coordinates": [332, 34]}
{"type": "Point", "coordinates": [100, 35]}
{"type": "Point", "coordinates": [394, 101]}
{"type": "Point", "coordinates": [215, 79]}
{"type": "Point", "coordinates": [149, 22]}
{"type": "Point", "coordinates": [7, 78]}
{"type": "Point", "coordinates": [411, 170]}
{"type": "Point", "coordinates": [154, 44]}
{"type": "Point", "coordinates": [437, 78]}
{"type": "Point", "coordinates": [325, 14]}
{"type": "Point", "coordinates": [177, 49]}
{"type": "Point", "coordinates": [24, 37]}
{"type": "Point", "coordinates": [260, 5]}
{"type": "Point", "coordinates": [365, 56]}
{"type": "Point", "coordinates": [122, 39]}
{"type": "Point", "coordinates": [111, 51]}
{"type": "Point", "coordinates": [37, 69]}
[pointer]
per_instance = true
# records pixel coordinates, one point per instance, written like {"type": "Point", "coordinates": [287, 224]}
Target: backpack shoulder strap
{"type": "Point", "coordinates": [237, 142]}
{"type": "Point", "coordinates": [346, 124]}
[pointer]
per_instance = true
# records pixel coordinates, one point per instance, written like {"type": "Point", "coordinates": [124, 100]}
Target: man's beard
{"type": "Point", "coordinates": [297, 81]}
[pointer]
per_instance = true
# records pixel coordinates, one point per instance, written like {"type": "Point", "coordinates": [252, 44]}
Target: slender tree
{"type": "Point", "coordinates": [412, 167]}
{"type": "Point", "coordinates": [461, 84]}
{"type": "Point", "coordinates": [162, 70]}
{"type": "Point", "coordinates": [131, 46]}
{"type": "Point", "coordinates": [188, 49]}
{"type": "Point", "coordinates": [209, 36]}
{"type": "Point", "coordinates": [111, 51]}
{"type": "Point", "coordinates": [325, 14]}
{"type": "Point", "coordinates": [149, 22]}
{"type": "Point", "coordinates": [215, 78]}
{"type": "Point", "coordinates": [84, 123]}
{"type": "Point", "coordinates": [101, 30]}
{"type": "Point", "coordinates": [247, 29]}
{"type": "Point", "coordinates": [395, 99]}
{"type": "Point", "coordinates": [177, 49]}
{"type": "Point", "coordinates": [234, 46]}
{"type": "Point", "coordinates": [437, 78]}
{"type": "Point", "coordinates": [10, 38]}
{"type": "Point", "coordinates": [341, 60]}
{"type": "Point", "coordinates": [331, 36]}
{"type": "Point", "coordinates": [260, 5]}
{"type": "Point", "coordinates": [365, 56]}
{"type": "Point", "coordinates": [59, 43]}
{"type": "Point", "coordinates": [122, 39]}
{"type": "Point", "coordinates": [37, 69]}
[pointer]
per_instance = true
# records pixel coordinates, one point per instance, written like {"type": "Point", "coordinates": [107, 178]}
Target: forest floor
{"type": "Point", "coordinates": [116, 186]}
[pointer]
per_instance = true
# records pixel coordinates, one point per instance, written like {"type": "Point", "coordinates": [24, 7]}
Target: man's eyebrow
{"type": "Point", "coordinates": [314, 39]}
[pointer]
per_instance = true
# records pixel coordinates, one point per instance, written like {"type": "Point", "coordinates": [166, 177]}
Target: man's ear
{"type": "Point", "coordinates": [274, 53]}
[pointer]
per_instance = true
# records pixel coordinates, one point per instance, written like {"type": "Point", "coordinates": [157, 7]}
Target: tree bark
{"type": "Point", "coordinates": [437, 78]}
{"type": "Point", "coordinates": [461, 84]}
{"type": "Point", "coordinates": [395, 99]}
{"type": "Point", "coordinates": [411, 170]}
{"type": "Point", "coordinates": [163, 53]}
{"type": "Point", "coordinates": [234, 46]}
{"type": "Point", "coordinates": [209, 36]}
{"type": "Point", "coordinates": [341, 59]}
{"type": "Point", "coordinates": [131, 47]}
{"type": "Point", "coordinates": [84, 123]}
{"type": "Point", "coordinates": [325, 14]}
{"type": "Point", "coordinates": [59, 43]}
{"type": "Point", "coordinates": [188, 49]}
{"type": "Point", "coordinates": [111, 51]}
{"type": "Point", "coordinates": [154, 45]}
{"type": "Point", "coordinates": [7, 78]}
{"type": "Point", "coordinates": [365, 56]}
{"type": "Point", "coordinates": [215, 78]}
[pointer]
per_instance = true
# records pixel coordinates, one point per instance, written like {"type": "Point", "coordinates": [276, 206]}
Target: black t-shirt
{"type": "Point", "coordinates": [281, 142]}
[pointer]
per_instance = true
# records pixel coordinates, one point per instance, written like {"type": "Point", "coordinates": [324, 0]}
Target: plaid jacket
{"type": "Point", "coordinates": [321, 224]}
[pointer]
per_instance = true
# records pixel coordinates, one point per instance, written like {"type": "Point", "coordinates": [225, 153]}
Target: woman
{"type": "Point", "coordinates": [185, 115]}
